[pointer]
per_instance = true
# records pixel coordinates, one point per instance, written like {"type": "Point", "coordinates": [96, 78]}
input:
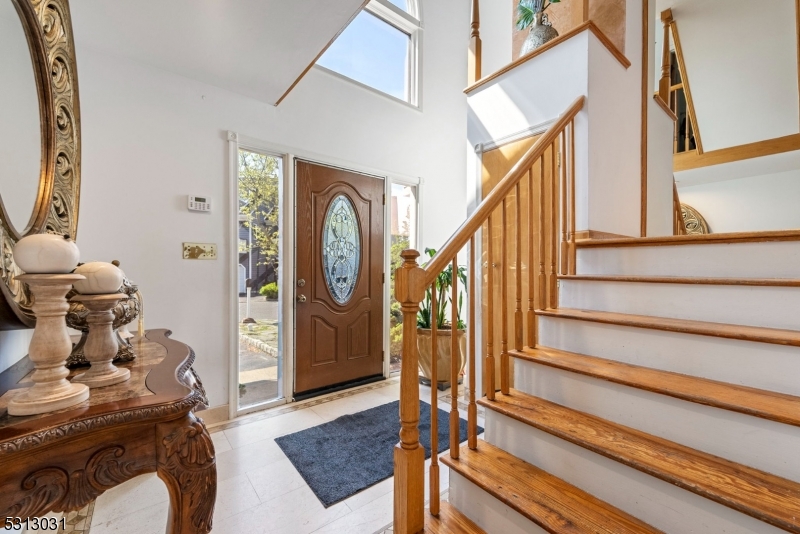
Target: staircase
{"type": "Point", "coordinates": [645, 385]}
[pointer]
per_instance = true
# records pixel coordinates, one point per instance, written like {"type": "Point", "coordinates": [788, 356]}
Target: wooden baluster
{"type": "Point", "coordinates": [455, 364]}
{"type": "Point", "coordinates": [434, 469]}
{"type": "Point", "coordinates": [504, 364]}
{"type": "Point", "coordinates": [564, 267]}
{"type": "Point", "coordinates": [409, 455]}
{"type": "Point", "coordinates": [553, 229]}
{"type": "Point", "coordinates": [489, 369]}
{"type": "Point", "coordinates": [475, 52]}
{"type": "Point", "coordinates": [573, 250]}
{"type": "Point", "coordinates": [472, 411]}
{"type": "Point", "coordinates": [518, 326]}
{"type": "Point", "coordinates": [665, 82]}
{"type": "Point", "coordinates": [542, 234]}
{"type": "Point", "coordinates": [531, 268]}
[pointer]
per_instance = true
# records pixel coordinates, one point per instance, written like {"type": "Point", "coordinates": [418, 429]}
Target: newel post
{"type": "Point", "coordinates": [409, 455]}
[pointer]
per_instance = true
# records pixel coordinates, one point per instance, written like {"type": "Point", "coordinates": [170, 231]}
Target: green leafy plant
{"type": "Point", "coordinates": [527, 10]}
{"type": "Point", "coordinates": [443, 287]}
{"type": "Point", "coordinates": [269, 290]}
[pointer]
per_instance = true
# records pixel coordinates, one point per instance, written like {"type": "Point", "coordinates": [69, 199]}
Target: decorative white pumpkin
{"type": "Point", "coordinates": [46, 254]}
{"type": "Point", "coordinates": [101, 278]}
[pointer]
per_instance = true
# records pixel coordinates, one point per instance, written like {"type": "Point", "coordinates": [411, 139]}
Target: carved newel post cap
{"type": "Point", "coordinates": [101, 344]}
{"type": "Point", "coordinates": [410, 255]}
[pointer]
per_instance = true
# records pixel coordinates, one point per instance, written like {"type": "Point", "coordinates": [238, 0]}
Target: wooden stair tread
{"type": "Point", "coordinates": [759, 334]}
{"type": "Point", "coordinates": [766, 497]}
{"type": "Point", "coordinates": [450, 521]}
{"type": "Point", "coordinates": [771, 282]}
{"type": "Point", "coordinates": [751, 401]}
{"type": "Point", "coordinates": [548, 501]}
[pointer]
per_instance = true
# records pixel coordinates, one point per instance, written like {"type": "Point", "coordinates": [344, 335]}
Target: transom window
{"type": "Point", "coordinates": [379, 49]}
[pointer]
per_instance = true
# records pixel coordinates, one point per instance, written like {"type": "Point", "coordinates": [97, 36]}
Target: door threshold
{"type": "Point", "coordinates": [339, 387]}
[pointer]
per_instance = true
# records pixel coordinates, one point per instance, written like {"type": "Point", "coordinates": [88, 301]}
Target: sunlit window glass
{"type": "Point", "coordinates": [372, 52]}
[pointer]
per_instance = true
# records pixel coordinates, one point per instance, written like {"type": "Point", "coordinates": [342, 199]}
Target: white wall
{"type": "Point", "coordinates": [608, 131]}
{"type": "Point", "coordinates": [615, 133]}
{"type": "Point", "coordinates": [748, 204]}
{"type": "Point", "coordinates": [151, 137]}
{"type": "Point", "coordinates": [742, 67]}
{"type": "Point", "coordinates": [496, 35]}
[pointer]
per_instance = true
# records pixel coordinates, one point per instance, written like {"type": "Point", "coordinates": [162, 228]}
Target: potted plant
{"type": "Point", "coordinates": [425, 318]}
{"type": "Point", "coordinates": [531, 14]}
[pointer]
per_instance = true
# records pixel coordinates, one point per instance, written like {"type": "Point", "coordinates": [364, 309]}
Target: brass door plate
{"type": "Point", "coordinates": [199, 251]}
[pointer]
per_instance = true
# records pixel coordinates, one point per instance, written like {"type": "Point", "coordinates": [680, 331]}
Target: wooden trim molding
{"type": "Point", "coordinates": [763, 282]}
{"type": "Point", "coordinates": [703, 239]}
{"type": "Point", "coordinates": [596, 234]}
{"type": "Point", "coordinates": [588, 25]}
{"type": "Point", "coordinates": [666, 109]}
{"type": "Point", "coordinates": [324, 49]}
{"type": "Point", "coordinates": [688, 160]}
{"type": "Point", "coordinates": [645, 91]}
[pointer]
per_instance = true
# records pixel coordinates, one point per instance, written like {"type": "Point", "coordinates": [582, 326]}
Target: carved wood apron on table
{"type": "Point", "coordinates": [61, 461]}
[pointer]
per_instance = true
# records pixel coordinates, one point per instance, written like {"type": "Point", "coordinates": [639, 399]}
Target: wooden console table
{"type": "Point", "coordinates": [59, 462]}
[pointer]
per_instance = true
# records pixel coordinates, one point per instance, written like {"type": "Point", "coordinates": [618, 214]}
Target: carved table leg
{"type": "Point", "coordinates": [187, 465]}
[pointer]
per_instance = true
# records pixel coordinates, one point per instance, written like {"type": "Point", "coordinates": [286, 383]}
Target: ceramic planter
{"type": "Point", "coordinates": [444, 350]}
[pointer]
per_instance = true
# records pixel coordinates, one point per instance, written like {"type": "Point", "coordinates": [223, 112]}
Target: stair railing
{"type": "Point", "coordinates": [545, 174]}
{"type": "Point", "coordinates": [678, 224]}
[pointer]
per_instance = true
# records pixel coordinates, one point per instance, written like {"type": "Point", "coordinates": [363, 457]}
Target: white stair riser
{"type": "Point", "coordinates": [777, 259]}
{"type": "Point", "coordinates": [487, 512]}
{"type": "Point", "coordinates": [735, 436]}
{"type": "Point", "coordinates": [759, 365]}
{"type": "Point", "coordinates": [773, 307]}
{"type": "Point", "coordinates": [661, 504]}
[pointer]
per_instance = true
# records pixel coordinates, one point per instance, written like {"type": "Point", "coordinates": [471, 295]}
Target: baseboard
{"type": "Point", "coordinates": [214, 415]}
{"type": "Point", "coordinates": [596, 234]}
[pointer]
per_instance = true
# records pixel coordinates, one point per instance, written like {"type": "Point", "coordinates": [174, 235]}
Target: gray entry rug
{"type": "Point", "coordinates": [349, 454]}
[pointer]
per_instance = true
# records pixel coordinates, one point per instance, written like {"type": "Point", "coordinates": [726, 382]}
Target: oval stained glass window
{"type": "Point", "coordinates": [341, 249]}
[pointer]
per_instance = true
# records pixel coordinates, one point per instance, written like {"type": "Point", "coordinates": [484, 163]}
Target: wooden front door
{"type": "Point", "coordinates": [339, 280]}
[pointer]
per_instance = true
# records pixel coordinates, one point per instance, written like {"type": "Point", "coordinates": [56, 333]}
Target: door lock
{"type": "Point", "coordinates": [301, 283]}
{"type": "Point", "coordinates": [301, 298]}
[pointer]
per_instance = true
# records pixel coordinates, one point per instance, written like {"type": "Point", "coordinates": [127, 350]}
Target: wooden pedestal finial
{"type": "Point", "coordinates": [49, 349]}
{"type": "Point", "coordinates": [101, 344]}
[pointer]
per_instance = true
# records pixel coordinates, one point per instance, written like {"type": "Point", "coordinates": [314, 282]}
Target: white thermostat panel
{"type": "Point", "coordinates": [199, 203]}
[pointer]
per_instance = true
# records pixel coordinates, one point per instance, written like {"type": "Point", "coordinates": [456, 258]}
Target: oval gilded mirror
{"type": "Point", "coordinates": [39, 137]}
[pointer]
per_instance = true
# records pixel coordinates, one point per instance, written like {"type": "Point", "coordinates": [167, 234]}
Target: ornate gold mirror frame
{"type": "Point", "coordinates": [48, 27]}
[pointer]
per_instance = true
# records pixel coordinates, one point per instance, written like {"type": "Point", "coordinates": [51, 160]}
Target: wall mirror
{"type": "Point", "coordinates": [39, 137]}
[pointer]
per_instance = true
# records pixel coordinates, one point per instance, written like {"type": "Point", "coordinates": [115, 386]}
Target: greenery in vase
{"type": "Point", "coordinates": [443, 287]}
{"type": "Point", "coordinates": [527, 10]}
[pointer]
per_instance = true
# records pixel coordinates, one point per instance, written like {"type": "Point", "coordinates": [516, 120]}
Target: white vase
{"type": "Point", "coordinates": [46, 254]}
{"type": "Point", "coordinates": [101, 278]}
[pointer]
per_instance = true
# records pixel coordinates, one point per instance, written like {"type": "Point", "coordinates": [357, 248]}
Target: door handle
{"type": "Point", "coordinates": [301, 298]}
{"type": "Point", "coordinates": [301, 283]}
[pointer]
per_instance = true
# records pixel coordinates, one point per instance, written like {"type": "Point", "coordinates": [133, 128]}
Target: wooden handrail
{"type": "Point", "coordinates": [494, 199]}
{"type": "Point", "coordinates": [586, 26]}
{"type": "Point", "coordinates": [554, 220]}
{"type": "Point", "coordinates": [666, 58]}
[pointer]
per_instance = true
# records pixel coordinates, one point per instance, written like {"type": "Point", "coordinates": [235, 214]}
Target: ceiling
{"type": "Point", "coordinates": [257, 48]}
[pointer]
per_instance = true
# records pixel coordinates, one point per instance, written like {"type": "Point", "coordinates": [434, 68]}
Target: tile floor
{"type": "Point", "coordinates": [259, 491]}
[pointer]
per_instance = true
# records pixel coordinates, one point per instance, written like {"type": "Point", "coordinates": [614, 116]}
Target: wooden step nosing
{"type": "Point", "coordinates": [761, 282]}
{"type": "Point", "coordinates": [685, 395]}
{"type": "Point", "coordinates": [762, 334]}
{"type": "Point", "coordinates": [567, 509]}
{"type": "Point", "coordinates": [708, 493]}
{"type": "Point", "coordinates": [705, 239]}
